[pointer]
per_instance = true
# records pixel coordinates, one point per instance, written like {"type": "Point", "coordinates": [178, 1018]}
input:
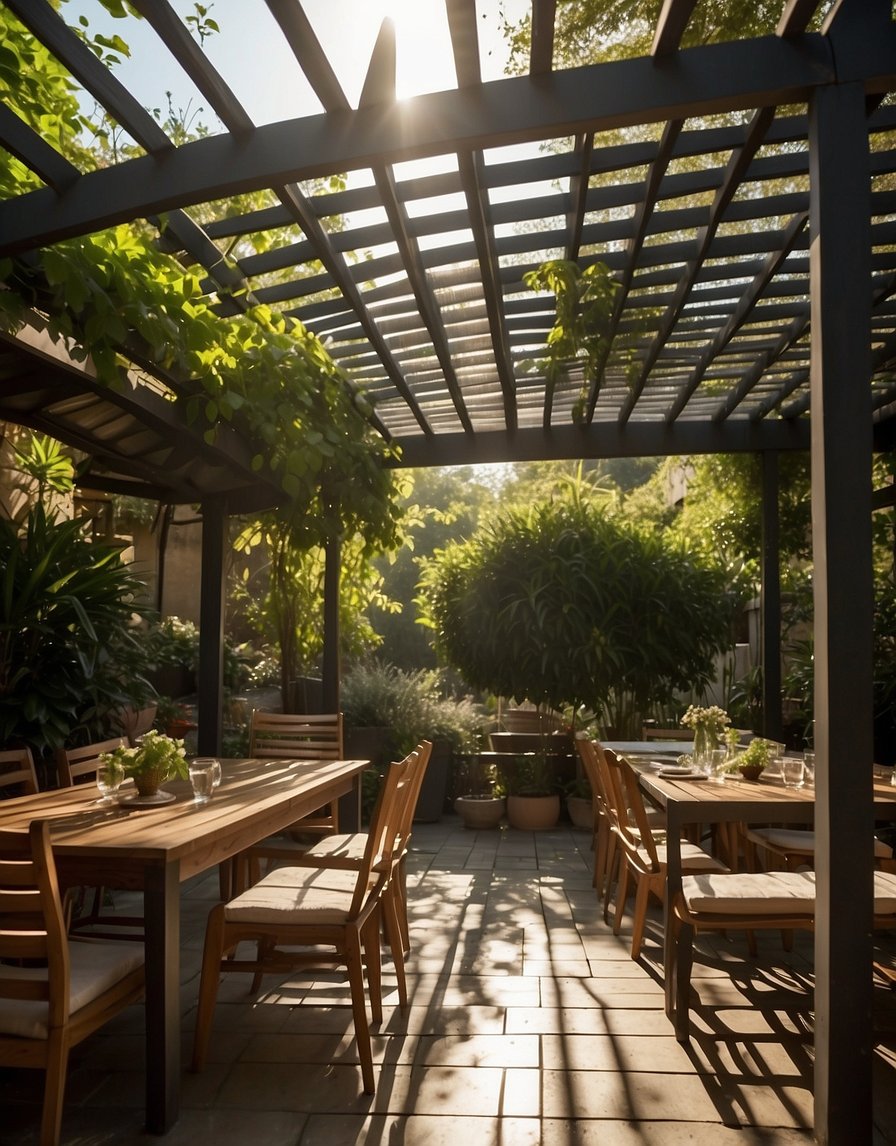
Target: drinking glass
{"type": "Point", "coordinates": [792, 769]}
{"type": "Point", "coordinates": [202, 778]}
{"type": "Point", "coordinates": [109, 776]}
{"type": "Point", "coordinates": [809, 768]}
{"type": "Point", "coordinates": [216, 773]}
{"type": "Point", "coordinates": [718, 760]}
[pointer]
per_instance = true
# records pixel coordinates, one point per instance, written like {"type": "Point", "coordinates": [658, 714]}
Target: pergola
{"type": "Point", "coordinates": [743, 194]}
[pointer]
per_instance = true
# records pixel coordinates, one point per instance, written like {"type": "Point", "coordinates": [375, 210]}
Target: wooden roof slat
{"type": "Point", "coordinates": [541, 54]}
{"type": "Point", "coordinates": [670, 27]}
{"type": "Point", "coordinates": [34, 151]}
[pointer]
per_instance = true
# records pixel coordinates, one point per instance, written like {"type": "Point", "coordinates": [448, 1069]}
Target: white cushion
{"type": "Point", "coordinates": [693, 858]}
{"type": "Point", "coordinates": [294, 895]}
{"type": "Point", "coordinates": [803, 842]}
{"type": "Point", "coordinates": [95, 967]}
{"type": "Point", "coordinates": [771, 893]}
{"type": "Point", "coordinates": [344, 847]}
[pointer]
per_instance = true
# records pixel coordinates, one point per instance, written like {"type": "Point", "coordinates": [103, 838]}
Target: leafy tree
{"type": "Point", "coordinates": [559, 603]}
{"type": "Point", "coordinates": [444, 505]}
{"type": "Point", "coordinates": [588, 31]}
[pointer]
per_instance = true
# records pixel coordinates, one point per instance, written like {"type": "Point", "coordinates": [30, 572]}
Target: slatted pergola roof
{"type": "Point", "coordinates": [687, 172]}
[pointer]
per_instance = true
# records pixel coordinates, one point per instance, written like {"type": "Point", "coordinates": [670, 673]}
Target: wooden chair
{"type": "Point", "coordinates": [17, 773]}
{"type": "Point", "coordinates": [291, 736]}
{"type": "Point", "coordinates": [651, 732]}
{"type": "Point", "coordinates": [749, 901]}
{"type": "Point", "coordinates": [793, 847]}
{"type": "Point", "coordinates": [346, 852]}
{"type": "Point", "coordinates": [303, 907]}
{"type": "Point", "coordinates": [604, 841]}
{"type": "Point", "coordinates": [76, 766]}
{"type": "Point", "coordinates": [54, 991]}
{"type": "Point", "coordinates": [643, 859]}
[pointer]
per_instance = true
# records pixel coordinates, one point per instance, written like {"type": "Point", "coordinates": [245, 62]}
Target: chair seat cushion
{"type": "Point", "coordinates": [693, 858]}
{"type": "Point", "coordinates": [347, 848]}
{"type": "Point", "coordinates": [294, 895]}
{"type": "Point", "coordinates": [785, 893]}
{"type": "Point", "coordinates": [798, 842]}
{"type": "Point", "coordinates": [95, 967]}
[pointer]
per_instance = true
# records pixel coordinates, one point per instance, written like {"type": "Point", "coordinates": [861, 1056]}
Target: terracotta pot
{"type": "Point", "coordinates": [533, 813]}
{"type": "Point", "coordinates": [581, 812]}
{"type": "Point", "coordinates": [480, 813]}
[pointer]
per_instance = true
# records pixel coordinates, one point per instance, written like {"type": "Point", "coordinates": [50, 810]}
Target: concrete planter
{"type": "Point", "coordinates": [581, 812]}
{"type": "Point", "coordinates": [480, 813]}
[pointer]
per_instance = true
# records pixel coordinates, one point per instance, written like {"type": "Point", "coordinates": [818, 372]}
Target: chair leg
{"type": "Point", "coordinates": [208, 984]}
{"type": "Point", "coordinates": [613, 862]}
{"type": "Point", "coordinates": [621, 897]}
{"type": "Point", "coordinates": [359, 1008]}
{"type": "Point", "coordinates": [684, 961]}
{"type": "Point", "coordinates": [641, 895]}
{"type": "Point", "coordinates": [54, 1090]}
{"type": "Point", "coordinates": [393, 930]}
{"type": "Point", "coordinates": [370, 934]}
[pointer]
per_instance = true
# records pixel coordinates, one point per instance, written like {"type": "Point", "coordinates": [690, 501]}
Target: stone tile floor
{"type": "Point", "coordinates": [528, 1024]}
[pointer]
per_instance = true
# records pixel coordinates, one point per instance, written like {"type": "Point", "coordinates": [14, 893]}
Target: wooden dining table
{"type": "Point", "coordinates": [155, 848]}
{"type": "Point", "coordinates": [688, 802]}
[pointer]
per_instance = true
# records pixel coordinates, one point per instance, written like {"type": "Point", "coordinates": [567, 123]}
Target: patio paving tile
{"type": "Point", "coordinates": [529, 1025]}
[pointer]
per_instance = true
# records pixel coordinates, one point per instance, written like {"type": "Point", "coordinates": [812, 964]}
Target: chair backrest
{"type": "Point", "coordinates": [17, 774]}
{"type": "Point", "coordinates": [419, 760]}
{"type": "Point", "coordinates": [630, 816]}
{"type": "Point", "coordinates": [81, 763]}
{"type": "Point", "coordinates": [32, 925]}
{"type": "Point", "coordinates": [305, 736]}
{"type": "Point", "coordinates": [381, 852]}
{"type": "Point", "coordinates": [651, 732]}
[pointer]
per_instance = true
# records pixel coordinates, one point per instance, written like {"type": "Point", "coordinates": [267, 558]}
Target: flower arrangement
{"type": "Point", "coordinates": [709, 724]}
{"type": "Point", "coordinates": [153, 760]}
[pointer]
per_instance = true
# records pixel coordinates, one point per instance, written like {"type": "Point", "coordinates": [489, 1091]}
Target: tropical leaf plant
{"type": "Point", "coordinates": [69, 653]}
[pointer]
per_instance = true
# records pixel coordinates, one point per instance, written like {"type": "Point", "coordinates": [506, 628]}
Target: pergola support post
{"type": "Point", "coordinates": [211, 627]}
{"type": "Point", "coordinates": [840, 276]}
{"type": "Point", "coordinates": [770, 600]}
{"type": "Point", "coordinates": [330, 666]}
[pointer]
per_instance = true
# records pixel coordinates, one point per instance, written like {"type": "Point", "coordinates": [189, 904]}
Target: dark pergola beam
{"type": "Point", "coordinates": [541, 54]}
{"type": "Point", "coordinates": [670, 26]}
{"type": "Point", "coordinates": [605, 440]}
{"type": "Point", "coordinates": [759, 73]}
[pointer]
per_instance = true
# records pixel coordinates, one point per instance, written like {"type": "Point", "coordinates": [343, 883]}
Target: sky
{"type": "Point", "coordinates": [253, 58]}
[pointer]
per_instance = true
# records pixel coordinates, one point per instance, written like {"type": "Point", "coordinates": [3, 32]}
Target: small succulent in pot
{"type": "Point", "coordinates": [155, 759]}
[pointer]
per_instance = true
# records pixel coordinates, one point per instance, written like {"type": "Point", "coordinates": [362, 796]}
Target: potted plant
{"type": "Point", "coordinates": [753, 760]}
{"type": "Point", "coordinates": [533, 803]}
{"type": "Point", "coordinates": [173, 718]}
{"type": "Point", "coordinates": [481, 806]}
{"type": "Point", "coordinates": [155, 759]}
{"type": "Point", "coordinates": [579, 804]}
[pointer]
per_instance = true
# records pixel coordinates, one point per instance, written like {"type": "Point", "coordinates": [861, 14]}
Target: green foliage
{"type": "Point", "coordinates": [410, 705]}
{"type": "Point", "coordinates": [588, 31]}
{"type": "Point", "coordinates": [265, 374]}
{"type": "Point", "coordinates": [174, 643]}
{"type": "Point", "coordinates": [69, 653]}
{"type": "Point", "coordinates": [582, 326]}
{"type": "Point", "coordinates": [156, 753]}
{"type": "Point", "coordinates": [561, 604]}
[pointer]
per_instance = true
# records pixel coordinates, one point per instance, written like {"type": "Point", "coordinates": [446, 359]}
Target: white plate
{"type": "Point", "coordinates": [135, 800]}
{"type": "Point", "coordinates": [680, 773]}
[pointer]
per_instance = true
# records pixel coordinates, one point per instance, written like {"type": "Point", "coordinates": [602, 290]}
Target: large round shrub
{"type": "Point", "coordinates": [561, 604]}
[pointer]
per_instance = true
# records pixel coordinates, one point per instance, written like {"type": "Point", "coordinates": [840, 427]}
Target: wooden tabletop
{"type": "Point", "coordinates": [256, 797]}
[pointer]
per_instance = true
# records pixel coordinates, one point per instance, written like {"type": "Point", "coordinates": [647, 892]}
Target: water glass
{"type": "Point", "coordinates": [202, 778]}
{"type": "Point", "coordinates": [717, 763]}
{"type": "Point", "coordinates": [792, 770]}
{"type": "Point", "coordinates": [216, 773]}
{"type": "Point", "coordinates": [108, 780]}
{"type": "Point", "coordinates": [809, 768]}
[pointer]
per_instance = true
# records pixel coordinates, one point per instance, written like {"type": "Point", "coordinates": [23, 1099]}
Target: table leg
{"type": "Point", "coordinates": [673, 886]}
{"type": "Point", "coordinates": [162, 927]}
